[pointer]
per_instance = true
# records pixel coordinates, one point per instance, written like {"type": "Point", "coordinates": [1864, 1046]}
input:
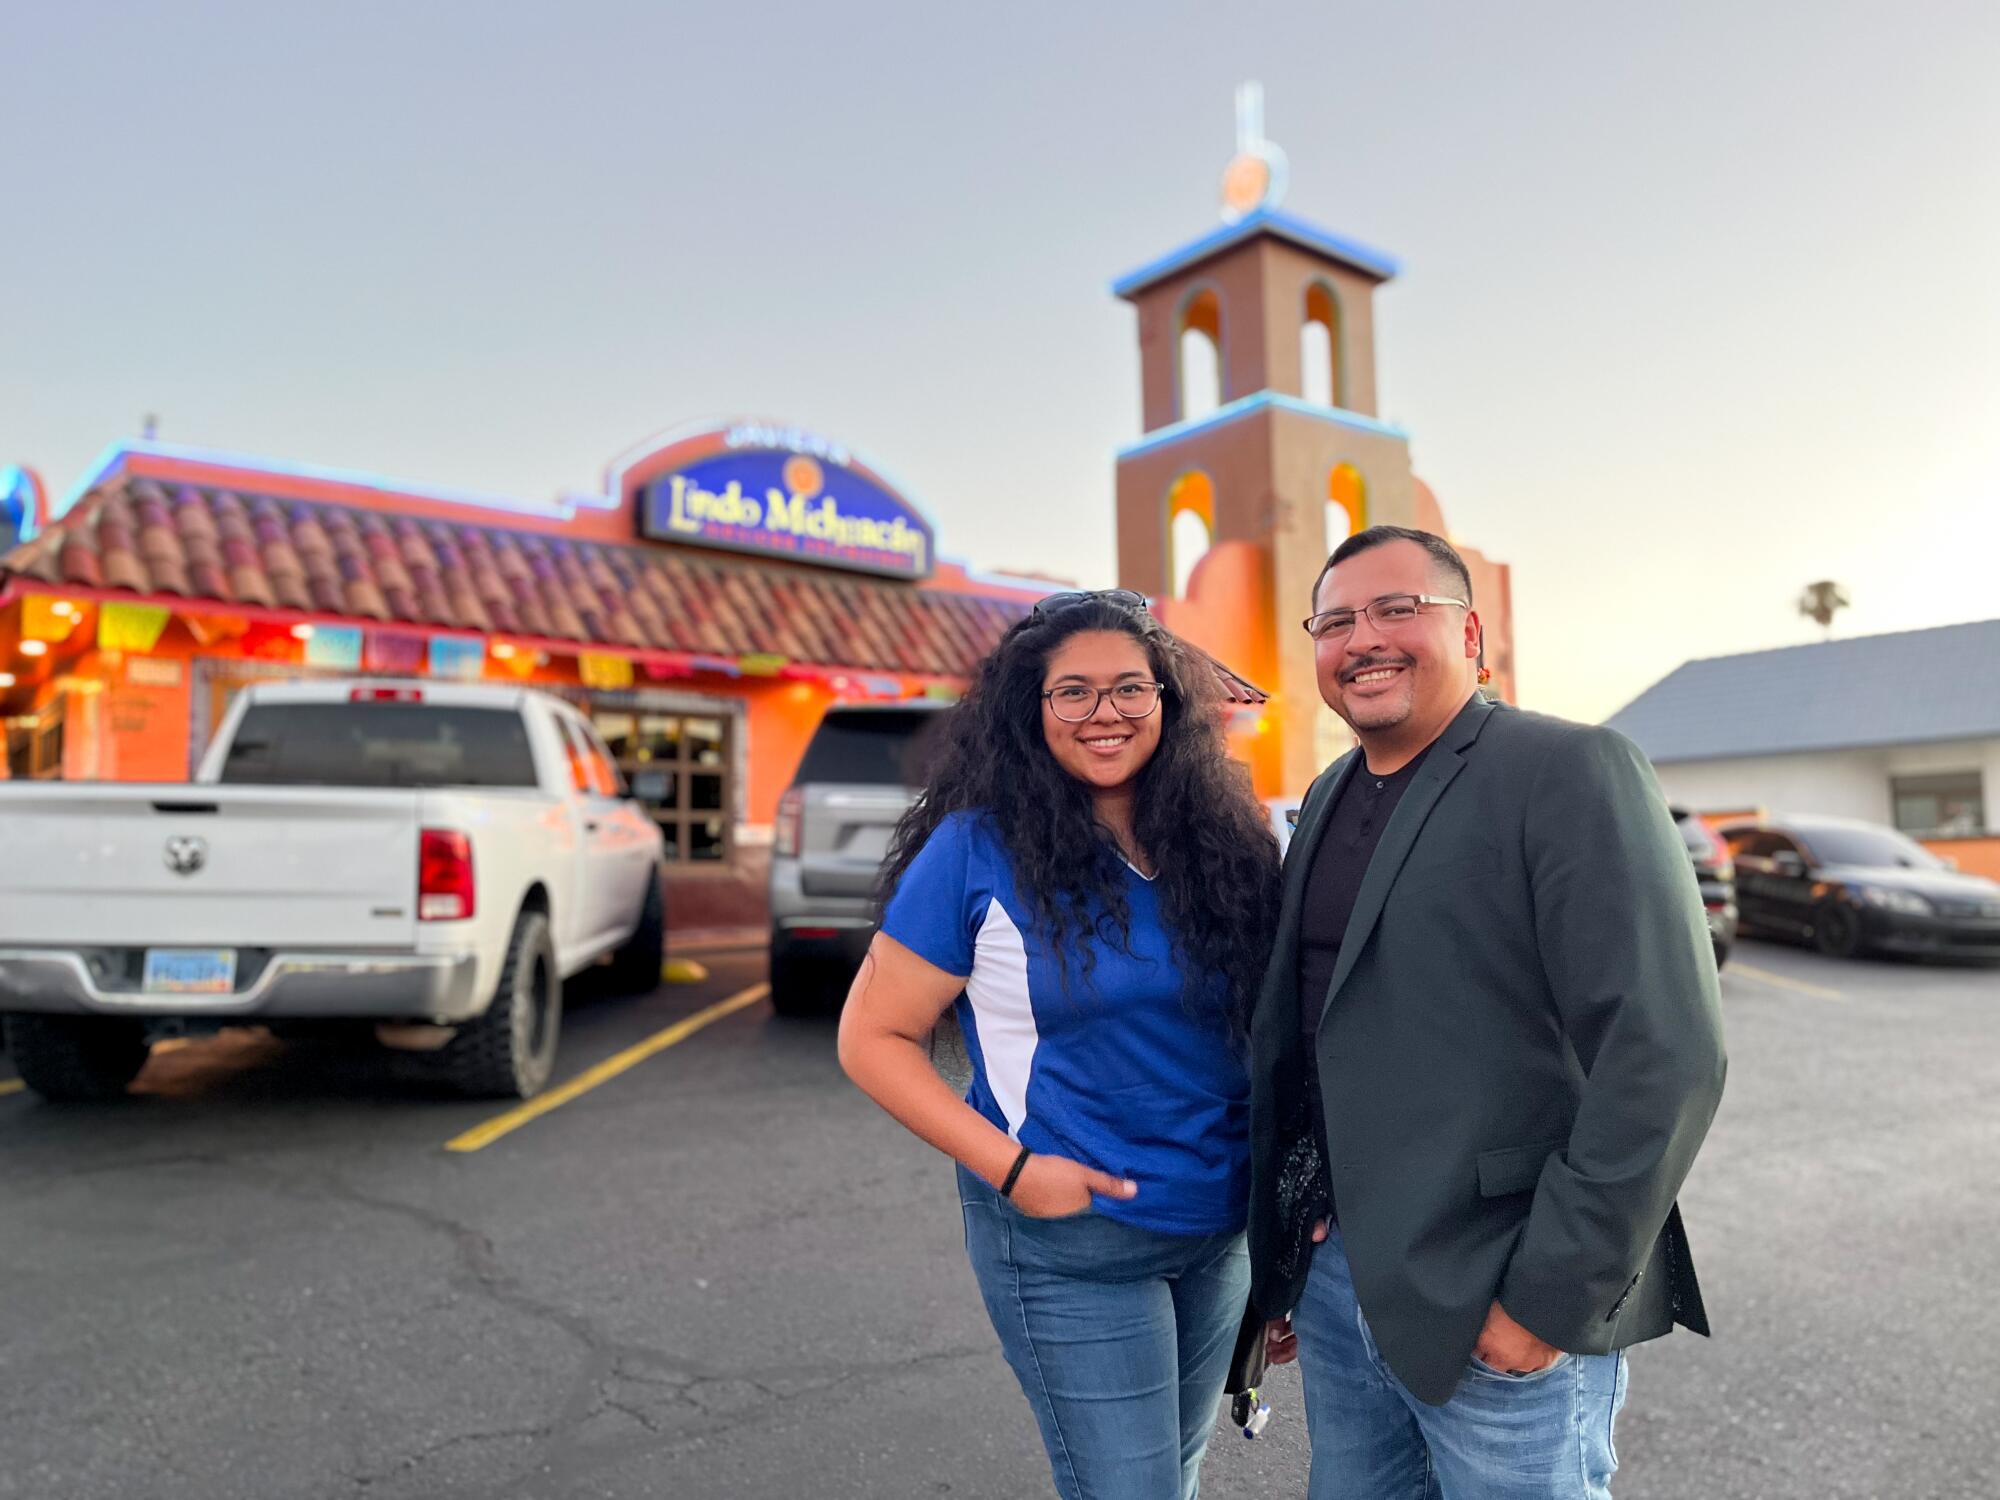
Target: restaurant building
{"type": "Point", "coordinates": [726, 584]}
{"type": "Point", "coordinates": [705, 607]}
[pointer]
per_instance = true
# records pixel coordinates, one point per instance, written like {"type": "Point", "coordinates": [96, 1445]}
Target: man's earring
{"type": "Point", "coordinates": [1485, 676]}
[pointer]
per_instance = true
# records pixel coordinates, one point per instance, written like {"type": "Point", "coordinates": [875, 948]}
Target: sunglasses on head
{"type": "Point", "coordinates": [1123, 598]}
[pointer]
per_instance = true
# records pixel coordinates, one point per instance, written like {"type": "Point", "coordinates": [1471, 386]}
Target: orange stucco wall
{"type": "Point", "coordinates": [779, 719]}
{"type": "Point", "coordinates": [126, 719]}
{"type": "Point", "coordinates": [1227, 612]}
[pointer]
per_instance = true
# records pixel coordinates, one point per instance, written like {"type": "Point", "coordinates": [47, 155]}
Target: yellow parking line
{"type": "Point", "coordinates": [1799, 986]}
{"type": "Point", "coordinates": [11, 1085]}
{"type": "Point", "coordinates": [485, 1135]}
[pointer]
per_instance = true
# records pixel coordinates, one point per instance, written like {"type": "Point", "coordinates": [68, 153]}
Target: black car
{"type": "Point", "coordinates": [1849, 887]}
{"type": "Point", "coordinates": [1715, 873]}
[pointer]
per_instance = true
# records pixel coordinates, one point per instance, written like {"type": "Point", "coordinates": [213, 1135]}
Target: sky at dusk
{"type": "Point", "coordinates": [1699, 302]}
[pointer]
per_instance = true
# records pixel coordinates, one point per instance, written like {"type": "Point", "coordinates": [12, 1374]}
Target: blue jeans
{"type": "Point", "coordinates": [1545, 1436]}
{"type": "Point", "coordinates": [1119, 1336]}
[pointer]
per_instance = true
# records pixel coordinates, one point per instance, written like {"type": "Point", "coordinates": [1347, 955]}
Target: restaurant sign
{"type": "Point", "coordinates": [780, 492]}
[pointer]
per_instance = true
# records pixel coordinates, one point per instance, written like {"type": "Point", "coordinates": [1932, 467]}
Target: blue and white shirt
{"type": "Point", "coordinates": [1112, 1071]}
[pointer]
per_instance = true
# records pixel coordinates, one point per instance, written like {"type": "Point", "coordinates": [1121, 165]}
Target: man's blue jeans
{"type": "Point", "coordinates": [1120, 1337]}
{"type": "Point", "coordinates": [1545, 1436]}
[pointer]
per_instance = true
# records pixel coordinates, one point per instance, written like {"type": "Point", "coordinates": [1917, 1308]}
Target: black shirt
{"type": "Point", "coordinates": [1353, 829]}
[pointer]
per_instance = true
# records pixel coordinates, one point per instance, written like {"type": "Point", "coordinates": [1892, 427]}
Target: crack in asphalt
{"type": "Point", "coordinates": [584, 1460]}
{"type": "Point", "coordinates": [607, 1360]}
{"type": "Point", "coordinates": [637, 1414]}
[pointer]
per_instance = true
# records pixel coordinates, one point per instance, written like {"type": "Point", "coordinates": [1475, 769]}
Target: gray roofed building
{"type": "Point", "coordinates": [1913, 687]}
{"type": "Point", "coordinates": [1899, 729]}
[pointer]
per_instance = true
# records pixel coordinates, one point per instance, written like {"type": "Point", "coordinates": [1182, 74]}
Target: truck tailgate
{"type": "Point", "coordinates": [846, 832]}
{"type": "Point", "coordinates": [185, 865]}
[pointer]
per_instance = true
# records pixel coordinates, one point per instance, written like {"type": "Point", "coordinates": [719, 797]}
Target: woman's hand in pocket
{"type": "Point", "coordinates": [1054, 1187]}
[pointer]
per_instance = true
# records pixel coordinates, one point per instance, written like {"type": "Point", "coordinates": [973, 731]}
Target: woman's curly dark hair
{"type": "Point", "coordinates": [1195, 814]}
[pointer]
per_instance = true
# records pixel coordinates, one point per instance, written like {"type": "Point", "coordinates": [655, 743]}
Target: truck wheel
{"type": "Point", "coordinates": [76, 1059]}
{"type": "Point", "coordinates": [635, 968]}
{"type": "Point", "coordinates": [510, 1050]}
{"type": "Point", "coordinates": [798, 985]}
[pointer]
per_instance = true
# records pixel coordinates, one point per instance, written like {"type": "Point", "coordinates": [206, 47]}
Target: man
{"type": "Point", "coordinates": [1487, 1049]}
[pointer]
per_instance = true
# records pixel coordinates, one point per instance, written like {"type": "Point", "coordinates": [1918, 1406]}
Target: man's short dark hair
{"type": "Point", "coordinates": [1444, 556]}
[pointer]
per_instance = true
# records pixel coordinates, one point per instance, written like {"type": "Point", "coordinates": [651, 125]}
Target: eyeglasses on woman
{"type": "Point", "coordinates": [1073, 703]}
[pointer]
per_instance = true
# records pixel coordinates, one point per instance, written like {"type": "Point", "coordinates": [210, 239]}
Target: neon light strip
{"type": "Point", "coordinates": [20, 587]}
{"type": "Point", "coordinates": [113, 459]}
{"type": "Point", "coordinates": [108, 463]}
{"type": "Point", "coordinates": [1244, 406]}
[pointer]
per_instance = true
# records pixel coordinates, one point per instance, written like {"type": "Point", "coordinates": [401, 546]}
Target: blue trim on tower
{"type": "Point", "coordinates": [1258, 401]}
{"type": "Point", "coordinates": [1267, 221]}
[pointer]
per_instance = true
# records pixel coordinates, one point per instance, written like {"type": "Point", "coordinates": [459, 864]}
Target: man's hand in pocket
{"type": "Point", "coordinates": [1281, 1345]}
{"type": "Point", "coordinates": [1506, 1346]}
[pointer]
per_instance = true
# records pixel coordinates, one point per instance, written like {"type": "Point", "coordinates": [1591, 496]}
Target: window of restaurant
{"type": "Point", "coordinates": [1940, 805]}
{"type": "Point", "coordinates": [681, 768]}
{"type": "Point", "coordinates": [34, 745]}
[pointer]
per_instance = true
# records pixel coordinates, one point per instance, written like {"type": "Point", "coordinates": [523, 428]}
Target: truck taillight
{"type": "Point", "coordinates": [386, 695]}
{"type": "Point", "coordinates": [786, 835]}
{"type": "Point", "coordinates": [444, 877]}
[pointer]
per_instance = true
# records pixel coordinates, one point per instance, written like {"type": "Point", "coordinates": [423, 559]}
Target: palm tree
{"type": "Point", "coordinates": [1822, 601]}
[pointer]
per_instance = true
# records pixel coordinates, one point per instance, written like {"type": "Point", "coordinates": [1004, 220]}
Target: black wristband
{"type": "Point", "coordinates": [1014, 1173]}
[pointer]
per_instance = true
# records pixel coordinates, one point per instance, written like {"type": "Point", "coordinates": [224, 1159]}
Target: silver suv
{"type": "Point", "coordinates": [858, 777]}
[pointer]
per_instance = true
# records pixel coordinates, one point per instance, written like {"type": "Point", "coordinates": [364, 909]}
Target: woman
{"type": "Point", "coordinates": [1090, 880]}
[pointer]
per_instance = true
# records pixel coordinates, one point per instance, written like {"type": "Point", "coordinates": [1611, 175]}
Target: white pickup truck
{"type": "Point", "coordinates": [433, 858]}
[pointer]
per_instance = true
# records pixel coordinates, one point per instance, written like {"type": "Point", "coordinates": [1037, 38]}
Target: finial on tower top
{"type": "Point", "coordinates": [1256, 176]}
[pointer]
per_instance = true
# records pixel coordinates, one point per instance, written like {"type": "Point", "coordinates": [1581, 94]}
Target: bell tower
{"type": "Point", "coordinates": [1262, 446]}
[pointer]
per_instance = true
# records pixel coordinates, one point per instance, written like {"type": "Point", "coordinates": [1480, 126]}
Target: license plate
{"type": "Point", "coordinates": [190, 971]}
{"type": "Point", "coordinates": [869, 842]}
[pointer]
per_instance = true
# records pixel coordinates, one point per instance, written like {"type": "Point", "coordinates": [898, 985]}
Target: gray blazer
{"type": "Point", "coordinates": [1519, 1054]}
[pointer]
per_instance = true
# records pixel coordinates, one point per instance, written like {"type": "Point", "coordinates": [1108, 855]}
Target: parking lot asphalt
{"type": "Point", "coordinates": [722, 1272]}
